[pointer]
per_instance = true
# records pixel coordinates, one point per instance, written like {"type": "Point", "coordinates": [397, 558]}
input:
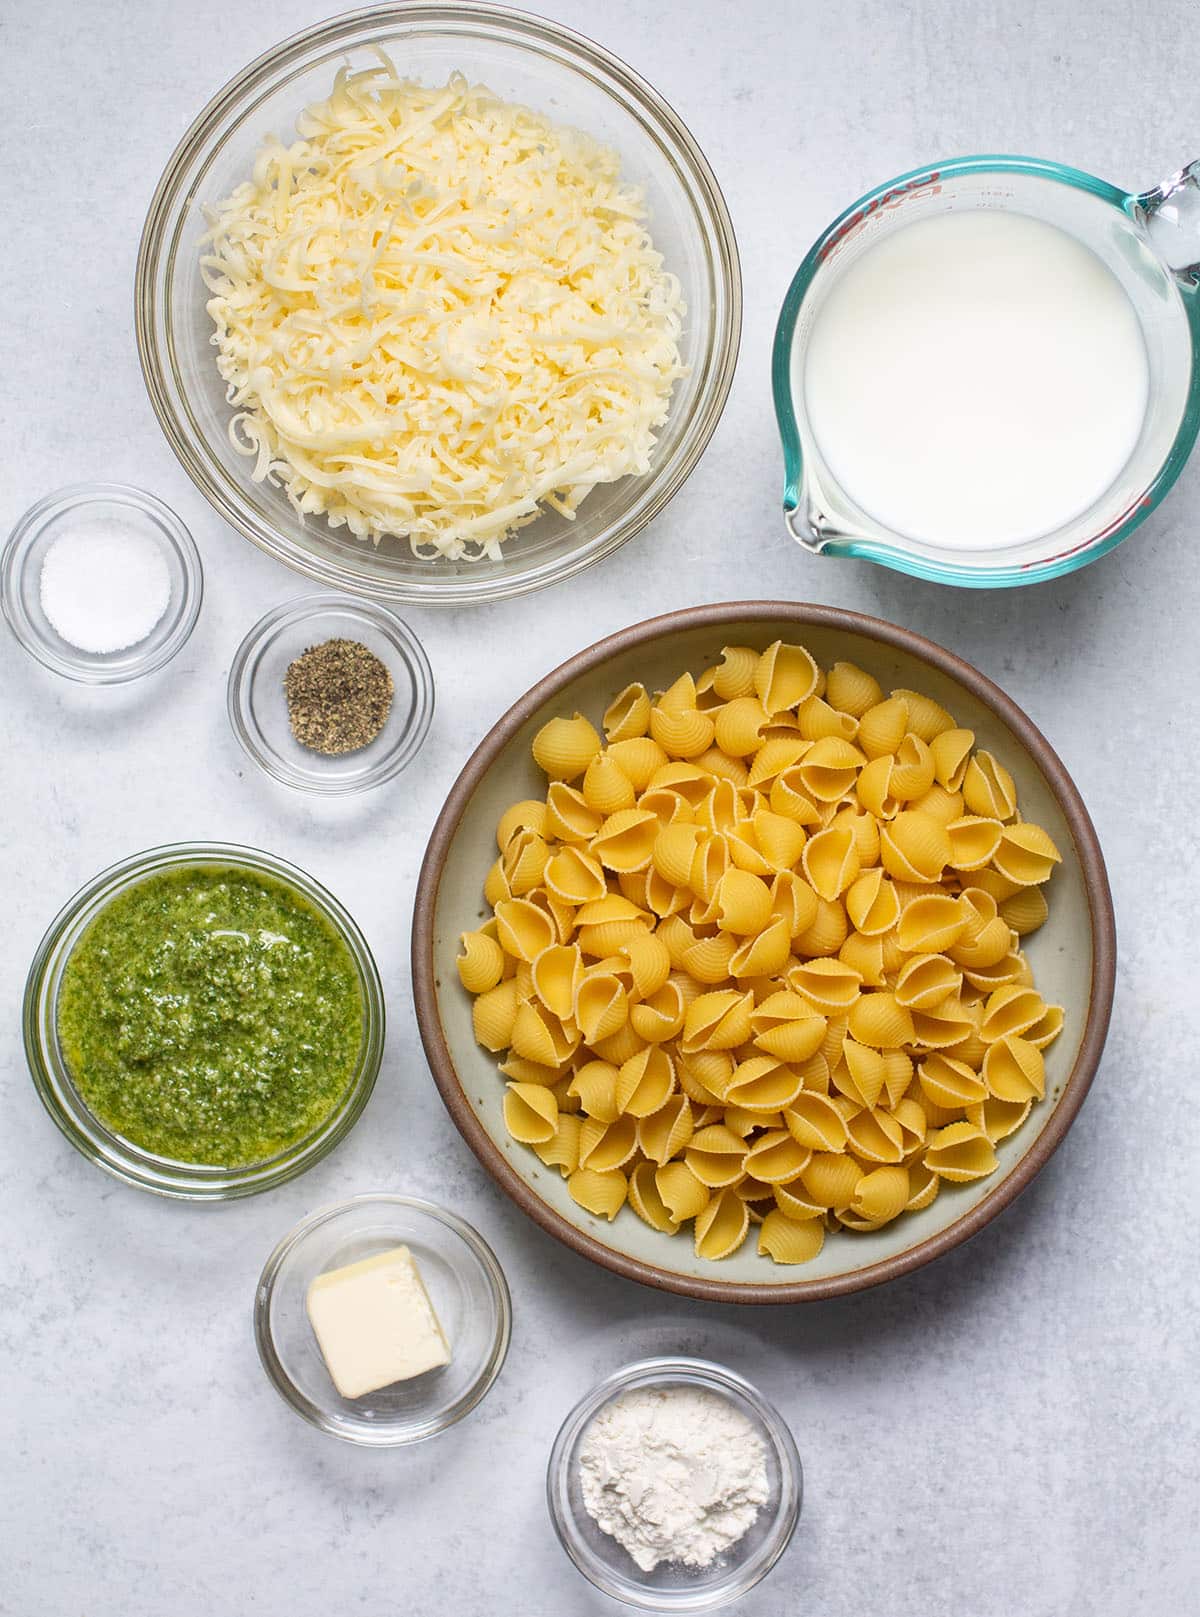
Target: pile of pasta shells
{"type": "Point", "coordinates": [755, 958]}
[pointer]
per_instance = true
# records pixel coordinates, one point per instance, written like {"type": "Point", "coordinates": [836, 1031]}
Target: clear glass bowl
{"type": "Point", "coordinates": [522, 58]}
{"type": "Point", "coordinates": [187, 1181]}
{"type": "Point", "coordinates": [258, 708]}
{"type": "Point", "coordinates": [21, 577]}
{"type": "Point", "coordinates": [672, 1587]}
{"type": "Point", "coordinates": [466, 1286]}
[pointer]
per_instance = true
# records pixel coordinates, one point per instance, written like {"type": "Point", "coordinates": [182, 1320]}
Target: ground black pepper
{"type": "Point", "coordinates": [339, 696]}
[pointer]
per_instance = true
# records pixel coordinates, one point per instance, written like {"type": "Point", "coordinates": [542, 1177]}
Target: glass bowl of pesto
{"type": "Point", "coordinates": [204, 1021]}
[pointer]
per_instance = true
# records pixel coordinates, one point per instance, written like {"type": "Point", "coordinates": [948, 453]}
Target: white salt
{"type": "Point", "coordinates": [104, 586]}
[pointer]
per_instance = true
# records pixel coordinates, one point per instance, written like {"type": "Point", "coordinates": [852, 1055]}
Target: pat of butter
{"type": "Point", "coordinates": [375, 1324]}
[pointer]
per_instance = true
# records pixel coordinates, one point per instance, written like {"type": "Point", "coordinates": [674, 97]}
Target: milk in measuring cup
{"type": "Point", "coordinates": [976, 379]}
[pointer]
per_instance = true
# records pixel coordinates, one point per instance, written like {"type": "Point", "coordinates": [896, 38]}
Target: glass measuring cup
{"type": "Point", "coordinates": [1150, 243]}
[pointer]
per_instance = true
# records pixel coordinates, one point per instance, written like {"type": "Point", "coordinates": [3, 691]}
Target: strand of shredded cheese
{"type": "Point", "coordinates": [436, 311]}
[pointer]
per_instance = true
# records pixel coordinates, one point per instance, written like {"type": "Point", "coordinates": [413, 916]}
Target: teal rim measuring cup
{"type": "Point", "coordinates": [1151, 244]}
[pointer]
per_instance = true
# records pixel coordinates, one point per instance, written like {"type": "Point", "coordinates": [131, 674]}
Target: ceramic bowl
{"type": "Point", "coordinates": [1073, 955]}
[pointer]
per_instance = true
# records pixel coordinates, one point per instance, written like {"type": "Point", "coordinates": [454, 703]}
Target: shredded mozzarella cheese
{"type": "Point", "coordinates": [436, 312]}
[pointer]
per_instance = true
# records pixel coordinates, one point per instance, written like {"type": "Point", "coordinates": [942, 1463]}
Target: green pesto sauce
{"type": "Point", "coordinates": [211, 1015]}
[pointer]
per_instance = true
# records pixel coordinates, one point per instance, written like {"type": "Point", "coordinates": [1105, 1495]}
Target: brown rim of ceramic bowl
{"type": "Point", "coordinates": [1104, 954]}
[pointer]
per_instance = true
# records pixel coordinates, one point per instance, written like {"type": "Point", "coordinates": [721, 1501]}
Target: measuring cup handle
{"type": "Point", "coordinates": [1170, 214]}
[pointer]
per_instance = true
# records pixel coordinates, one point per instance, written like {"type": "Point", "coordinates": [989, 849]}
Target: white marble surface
{"type": "Point", "coordinates": [1012, 1432]}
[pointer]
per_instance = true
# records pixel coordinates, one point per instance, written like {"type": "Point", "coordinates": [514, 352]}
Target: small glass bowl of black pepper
{"type": "Point", "coordinates": [330, 695]}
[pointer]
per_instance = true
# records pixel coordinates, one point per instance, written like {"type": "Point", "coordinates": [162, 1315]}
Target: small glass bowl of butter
{"type": "Point", "coordinates": [400, 1303]}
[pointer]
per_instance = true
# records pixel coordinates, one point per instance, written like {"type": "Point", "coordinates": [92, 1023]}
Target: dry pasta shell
{"type": "Point", "coordinates": [1013, 1070]}
{"type": "Point", "coordinates": [973, 841]}
{"type": "Point", "coordinates": [704, 1075]}
{"type": "Point", "coordinates": [733, 676]}
{"type": "Point", "coordinates": [830, 1179]}
{"type": "Point", "coordinates": [829, 985]}
{"type": "Point", "coordinates": [481, 962]}
{"type": "Point", "coordinates": [679, 697]}
{"type": "Point", "coordinates": [528, 815]}
{"type": "Point", "coordinates": [639, 758]}
{"type": "Point", "coordinates": [912, 771]}
{"type": "Point", "coordinates": [709, 864]}
{"type": "Point", "coordinates": [880, 1021]}
{"type": "Point", "coordinates": [682, 732]}
{"type": "Point", "coordinates": [541, 1037]}
{"type": "Point", "coordinates": [646, 1201]}
{"type": "Point", "coordinates": [926, 980]}
{"type": "Point", "coordinates": [998, 1118]}
{"type": "Point", "coordinates": [626, 840]}
{"type": "Point", "coordinates": [493, 1016]}
{"type": "Point", "coordinates": [828, 770]}
{"type": "Point", "coordinates": [761, 957]}
{"type": "Point", "coordinates": [794, 1204]}
{"type": "Point", "coordinates": [897, 1074]}
{"type": "Point", "coordinates": [914, 847]}
{"type": "Point", "coordinates": [814, 1121]}
{"type": "Point", "coordinates": [660, 1017]}
{"type": "Point", "coordinates": [1009, 971]}
{"type": "Point", "coordinates": [865, 955]}
{"type": "Point", "coordinates": [988, 788]}
{"type": "Point", "coordinates": [1010, 1010]}
{"type": "Point", "coordinates": [687, 780]}
{"type": "Point", "coordinates": [739, 726]}
{"type": "Point", "coordinates": [718, 1021]}
{"type": "Point", "coordinates": [763, 1084]}
{"type": "Point", "coordinates": [883, 727]}
{"type": "Point", "coordinates": [604, 1146]}
{"type": "Point", "coordinates": [530, 1113]}
{"type": "Point", "coordinates": [674, 852]}
{"type": "Point", "coordinates": [1026, 854]}
{"type": "Point", "coordinates": [495, 885]}
{"type": "Point", "coordinates": [649, 963]}
{"type": "Point", "coordinates": [564, 748]}
{"type": "Point", "coordinates": [923, 1186]}
{"type": "Point", "coordinates": [851, 689]}
{"type": "Point", "coordinates": [524, 861]}
{"type": "Point", "coordinates": [926, 718]}
{"type": "Point", "coordinates": [785, 676]}
{"type": "Point", "coordinates": [931, 924]}
{"type": "Point", "coordinates": [721, 1226]}
{"type": "Point", "coordinates": [960, 1152]}
{"type": "Point", "coordinates": [716, 1156]}
{"type": "Point", "coordinates": [523, 929]}
{"type": "Point", "coordinates": [789, 796]}
{"type": "Point", "coordinates": [939, 804]}
{"type": "Point", "coordinates": [602, 1194]}
{"type": "Point", "coordinates": [913, 1123]}
{"type": "Point", "coordinates": [777, 754]}
{"type": "Point", "coordinates": [944, 1026]}
{"type": "Point", "coordinates": [724, 805]}
{"type": "Point", "coordinates": [951, 754]}
{"type": "Point", "coordinates": [601, 1006]}
{"type": "Point", "coordinates": [828, 931]}
{"type": "Point", "coordinates": [787, 1240]}
{"type": "Point", "coordinates": [595, 1087]}
{"type": "Point", "coordinates": [860, 1073]}
{"type": "Point", "coordinates": [744, 851]}
{"type": "Point", "coordinates": [562, 1150]}
{"type": "Point", "coordinates": [831, 861]}
{"type": "Point", "coordinates": [532, 1072]}
{"type": "Point", "coordinates": [872, 903]}
{"type": "Point", "coordinates": [557, 973]}
{"type": "Point", "coordinates": [818, 719]}
{"type": "Point", "coordinates": [666, 1132]}
{"type": "Point", "coordinates": [949, 1083]}
{"type": "Point", "coordinates": [606, 787]}
{"type": "Point", "coordinates": [776, 1158]}
{"type": "Point", "coordinates": [780, 840]}
{"type": "Point", "coordinates": [1047, 1028]}
{"type": "Point", "coordinates": [882, 1194]}
{"type": "Point", "coordinates": [743, 903]}
{"type": "Point", "coordinates": [682, 1193]}
{"type": "Point", "coordinates": [622, 1046]}
{"type": "Point", "coordinates": [645, 1082]}
{"type": "Point", "coordinates": [575, 877]}
{"type": "Point", "coordinates": [1025, 911]}
{"type": "Point", "coordinates": [875, 1135]}
{"type": "Point", "coordinates": [627, 716]}
{"type": "Point", "coordinates": [865, 827]}
{"type": "Point", "coordinates": [794, 1039]}
{"type": "Point", "coordinates": [794, 901]}
{"type": "Point", "coordinates": [568, 817]}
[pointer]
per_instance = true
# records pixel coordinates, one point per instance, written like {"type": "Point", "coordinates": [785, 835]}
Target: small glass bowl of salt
{"type": "Point", "coordinates": [101, 583]}
{"type": "Point", "coordinates": [674, 1485]}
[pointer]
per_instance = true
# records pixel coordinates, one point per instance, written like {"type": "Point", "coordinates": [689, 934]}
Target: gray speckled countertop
{"type": "Point", "coordinates": [1011, 1432]}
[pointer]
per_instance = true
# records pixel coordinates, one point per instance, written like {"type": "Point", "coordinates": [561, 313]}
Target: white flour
{"type": "Point", "coordinates": [673, 1474]}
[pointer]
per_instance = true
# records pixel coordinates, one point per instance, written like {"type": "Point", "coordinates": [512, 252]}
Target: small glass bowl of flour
{"type": "Point", "coordinates": [101, 583]}
{"type": "Point", "coordinates": [674, 1485]}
